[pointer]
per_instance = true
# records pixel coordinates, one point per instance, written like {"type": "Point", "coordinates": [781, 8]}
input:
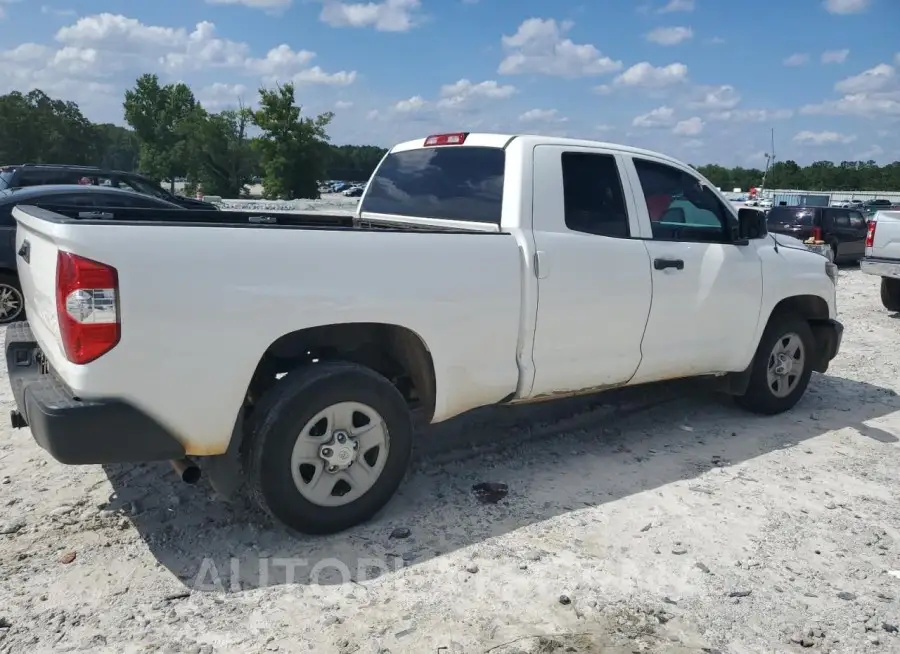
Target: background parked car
{"type": "Point", "coordinates": [843, 229]}
{"type": "Point", "coordinates": [12, 307]}
{"type": "Point", "coordinates": [24, 175]}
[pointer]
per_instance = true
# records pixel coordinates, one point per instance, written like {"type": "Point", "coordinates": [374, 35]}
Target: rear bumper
{"type": "Point", "coordinates": [73, 430]}
{"type": "Point", "coordinates": [880, 267]}
{"type": "Point", "coordinates": [828, 335]}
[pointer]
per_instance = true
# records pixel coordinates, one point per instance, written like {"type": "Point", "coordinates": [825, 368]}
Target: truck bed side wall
{"type": "Point", "coordinates": [200, 305]}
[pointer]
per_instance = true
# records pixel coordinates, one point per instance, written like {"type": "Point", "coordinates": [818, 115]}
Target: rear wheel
{"type": "Point", "coordinates": [781, 367]}
{"type": "Point", "coordinates": [329, 446]}
{"type": "Point", "coordinates": [12, 304]}
{"type": "Point", "coordinates": [890, 293]}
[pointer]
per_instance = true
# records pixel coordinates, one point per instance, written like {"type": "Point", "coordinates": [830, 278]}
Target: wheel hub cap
{"type": "Point", "coordinates": [339, 452]}
{"type": "Point", "coordinates": [784, 364]}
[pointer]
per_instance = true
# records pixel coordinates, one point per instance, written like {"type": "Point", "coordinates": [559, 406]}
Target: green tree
{"type": "Point", "coordinates": [35, 128]}
{"type": "Point", "coordinates": [292, 148]}
{"type": "Point", "coordinates": [220, 156]}
{"type": "Point", "coordinates": [160, 116]}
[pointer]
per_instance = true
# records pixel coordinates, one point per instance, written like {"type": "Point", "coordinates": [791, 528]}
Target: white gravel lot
{"type": "Point", "coordinates": [662, 520]}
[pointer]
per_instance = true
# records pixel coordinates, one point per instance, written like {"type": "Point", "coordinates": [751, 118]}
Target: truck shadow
{"type": "Point", "coordinates": [554, 458]}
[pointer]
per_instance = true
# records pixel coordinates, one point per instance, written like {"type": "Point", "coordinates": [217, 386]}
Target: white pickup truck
{"type": "Point", "coordinates": [882, 256]}
{"type": "Point", "coordinates": [290, 351]}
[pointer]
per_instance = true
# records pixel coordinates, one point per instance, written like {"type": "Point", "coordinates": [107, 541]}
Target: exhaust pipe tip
{"type": "Point", "coordinates": [187, 470]}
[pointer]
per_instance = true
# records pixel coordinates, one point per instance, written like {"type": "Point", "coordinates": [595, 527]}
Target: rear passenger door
{"type": "Point", "coordinates": [707, 291]}
{"type": "Point", "coordinates": [594, 285]}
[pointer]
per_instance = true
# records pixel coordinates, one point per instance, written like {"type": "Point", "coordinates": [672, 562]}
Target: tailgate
{"type": "Point", "coordinates": [37, 249]}
{"type": "Point", "coordinates": [886, 244]}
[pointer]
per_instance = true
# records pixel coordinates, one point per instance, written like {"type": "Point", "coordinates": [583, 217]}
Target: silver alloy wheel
{"type": "Point", "coordinates": [11, 303]}
{"type": "Point", "coordinates": [785, 366]}
{"type": "Point", "coordinates": [340, 454]}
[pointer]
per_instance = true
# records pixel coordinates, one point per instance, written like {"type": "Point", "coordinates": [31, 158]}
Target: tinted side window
{"type": "Point", "coordinates": [447, 182]}
{"type": "Point", "coordinates": [70, 199]}
{"type": "Point", "coordinates": [125, 200]}
{"type": "Point", "coordinates": [44, 177]}
{"type": "Point", "coordinates": [840, 217]}
{"type": "Point", "coordinates": [857, 220]}
{"type": "Point", "coordinates": [680, 207]}
{"type": "Point", "coordinates": [592, 192]}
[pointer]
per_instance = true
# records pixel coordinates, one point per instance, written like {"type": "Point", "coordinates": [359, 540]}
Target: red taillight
{"type": "Point", "coordinates": [870, 233]}
{"type": "Point", "coordinates": [87, 304]}
{"type": "Point", "coordinates": [457, 138]}
{"type": "Point", "coordinates": [817, 233]}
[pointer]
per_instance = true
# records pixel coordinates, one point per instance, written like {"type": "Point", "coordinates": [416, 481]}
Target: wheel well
{"type": "Point", "coordinates": [395, 352]}
{"type": "Point", "coordinates": [810, 307]}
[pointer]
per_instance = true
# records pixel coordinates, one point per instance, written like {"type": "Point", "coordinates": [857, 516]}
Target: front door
{"type": "Point", "coordinates": [593, 277]}
{"type": "Point", "coordinates": [707, 292]}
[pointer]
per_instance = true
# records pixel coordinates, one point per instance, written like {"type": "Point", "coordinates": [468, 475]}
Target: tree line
{"type": "Point", "coordinates": [171, 135]}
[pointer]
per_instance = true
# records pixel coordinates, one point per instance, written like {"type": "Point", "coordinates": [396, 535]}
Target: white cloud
{"type": "Point", "coordinates": [659, 117]}
{"type": "Point", "coordinates": [96, 57]}
{"type": "Point", "coordinates": [846, 6]}
{"type": "Point", "coordinates": [52, 11]}
{"type": "Point", "coordinates": [798, 59]}
{"type": "Point", "coordinates": [343, 104]}
{"type": "Point", "coordinates": [751, 115]}
{"type": "Point", "coordinates": [542, 116]}
{"type": "Point", "coordinates": [387, 16]}
{"type": "Point", "coordinates": [670, 35]}
{"type": "Point", "coordinates": [464, 91]}
{"type": "Point", "coordinates": [874, 79]}
{"type": "Point", "coordinates": [863, 105]}
{"type": "Point", "coordinates": [716, 40]}
{"type": "Point", "coordinates": [255, 4]}
{"type": "Point", "coordinates": [689, 127]}
{"type": "Point", "coordinates": [220, 96]}
{"type": "Point", "coordinates": [717, 98]}
{"type": "Point", "coordinates": [822, 138]}
{"type": "Point", "coordinates": [646, 76]}
{"type": "Point", "coordinates": [413, 104]}
{"type": "Point", "coordinates": [539, 46]}
{"type": "Point", "coordinates": [835, 56]}
{"type": "Point", "coordinates": [676, 5]}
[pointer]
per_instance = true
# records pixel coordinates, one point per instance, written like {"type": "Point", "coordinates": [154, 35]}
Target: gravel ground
{"type": "Point", "coordinates": [657, 520]}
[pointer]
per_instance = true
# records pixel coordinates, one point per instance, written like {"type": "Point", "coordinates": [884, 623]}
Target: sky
{"type": "Point", "coordinates": [702, 80]}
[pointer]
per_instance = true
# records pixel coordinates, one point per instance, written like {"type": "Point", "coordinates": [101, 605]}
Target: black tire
{"type": "Point", "coordinates": [10, 283]}
{"type": "Point", "coordinates": [890, 293]}
{"type": "Point", "coordinates": [759, 397]}
{"type": "Point", "coordinates": [281, 415]}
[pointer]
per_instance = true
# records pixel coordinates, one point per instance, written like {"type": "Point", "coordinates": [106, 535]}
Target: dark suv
{"type": "Point", "coordinates": [18, 176]}
{"type": "Point", "coordinates": [843, 229]}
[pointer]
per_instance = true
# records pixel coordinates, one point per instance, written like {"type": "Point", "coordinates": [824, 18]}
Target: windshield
{"type": "Point", "coordinates": [790, 216]}
{"type": "Point", "coordinates": [447, 182]}
{"type": "Point", "coordinates": [6, 178]}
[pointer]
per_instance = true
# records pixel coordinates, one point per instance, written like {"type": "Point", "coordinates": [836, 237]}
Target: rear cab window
{"type": "Point", "coordinates": [447, 182]}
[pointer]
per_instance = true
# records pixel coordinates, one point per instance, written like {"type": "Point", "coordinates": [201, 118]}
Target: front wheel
{"type": "Point", "coordinates": [890, 293]}
{"type": "Point", "coordinates": [781, 368]}
{"type": "Point", "coordinates": [328, 448]}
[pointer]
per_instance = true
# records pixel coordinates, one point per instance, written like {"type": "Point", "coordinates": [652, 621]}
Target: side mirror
{"type": "Point", "coordinates": [751, 224]}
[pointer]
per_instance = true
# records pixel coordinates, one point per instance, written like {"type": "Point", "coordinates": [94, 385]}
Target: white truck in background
{"type": "Point", "coordinates": [289, 351]}
{"type": "Point", "coordinates": [882, 256]}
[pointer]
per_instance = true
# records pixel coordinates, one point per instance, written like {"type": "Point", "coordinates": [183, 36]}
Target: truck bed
{"type": "Point", "coordinates": [203, 295]}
